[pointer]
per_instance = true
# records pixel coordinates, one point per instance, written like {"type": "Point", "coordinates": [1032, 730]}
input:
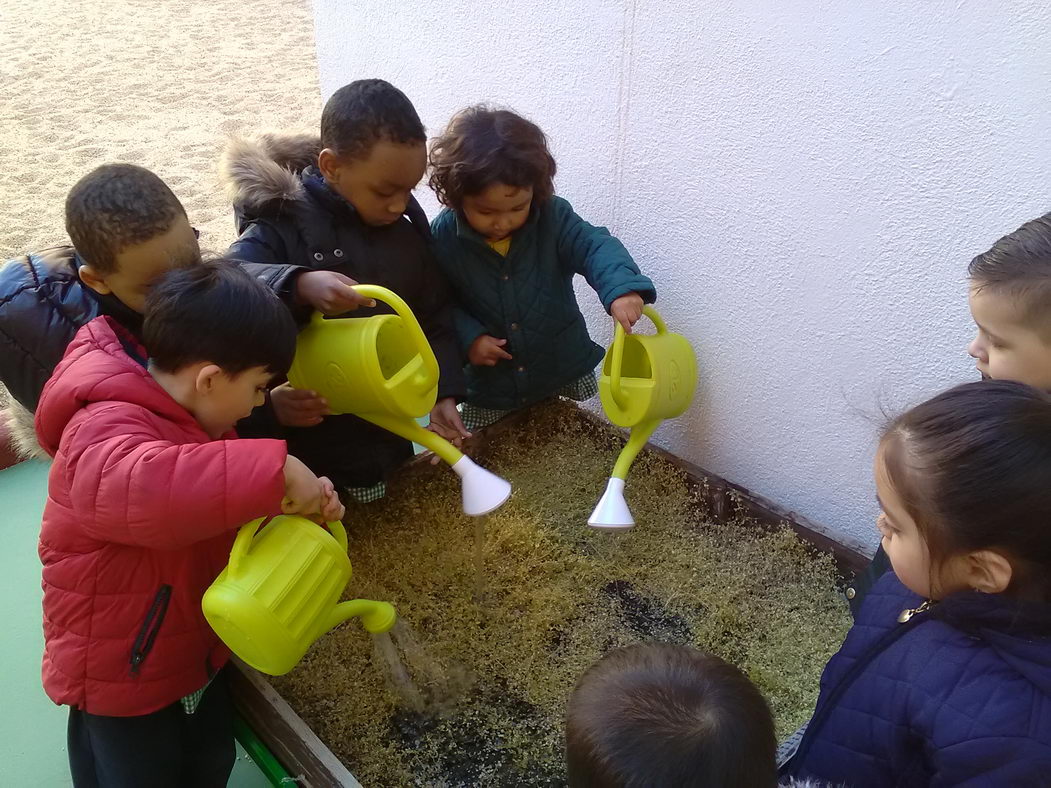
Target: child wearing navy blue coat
{"type": "Point", "coordinates": [945, 678]}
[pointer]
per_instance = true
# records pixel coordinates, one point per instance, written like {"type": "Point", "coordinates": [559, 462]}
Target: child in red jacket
{"type": "Point", "coordinates": [148, 485]}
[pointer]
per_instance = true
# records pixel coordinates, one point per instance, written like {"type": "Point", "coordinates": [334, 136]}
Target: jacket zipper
{"type": "Point", "coordinates": [148, 632]}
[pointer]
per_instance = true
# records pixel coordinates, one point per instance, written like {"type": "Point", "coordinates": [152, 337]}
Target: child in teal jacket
{"type": "Point", "coordinates": [510, 249]}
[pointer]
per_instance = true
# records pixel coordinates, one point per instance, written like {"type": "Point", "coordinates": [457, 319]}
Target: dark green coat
{"type": "Point", "coordinates": [527, 298]}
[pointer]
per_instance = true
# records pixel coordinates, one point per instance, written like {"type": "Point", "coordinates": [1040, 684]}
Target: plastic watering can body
{"type": "Point", "coordinates": [645, 380]}
{"type": "Point", "coordinates": [647, 377]}
{"type": "Point", "coordinates": [281, 590]}
{"type": "Point", "coordinates": [378, 364]}
{"type": "Point", "coordinates": [382, 369]}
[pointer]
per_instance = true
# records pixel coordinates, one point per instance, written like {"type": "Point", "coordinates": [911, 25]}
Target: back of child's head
{"type": "Point", "coordinates": [668, 715]}
{"type": "Point", "coordinates": [360, 114]}
{"type": "Point", "coordinates": [972, 467]}
{"type": "Point", "coordinates": [483, 146]}
{"type": "Point", "coordinates": [217, 313]}
{"type": "Point", "coordinates": [1019, 266]}
{"type": "Point", "coordinates": [116, 206]}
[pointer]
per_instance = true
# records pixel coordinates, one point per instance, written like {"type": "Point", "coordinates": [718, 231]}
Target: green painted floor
{"type": "Point", "coordinates": [32, 728]}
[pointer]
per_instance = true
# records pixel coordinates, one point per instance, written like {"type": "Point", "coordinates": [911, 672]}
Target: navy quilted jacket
{"type": "Point", "coordinates": [527, 298]}
{"type": "Point", "coordinates": [960, 695]}
{"type": "Point", "coordinates": [42, 305]}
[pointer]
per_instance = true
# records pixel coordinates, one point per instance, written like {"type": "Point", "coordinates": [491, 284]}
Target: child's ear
{"type": "Point", "coordinates": [90, 277]}
{"type": "Point", "coordinates": [207, 379]}
{"type": "Point", "coordinates": [988, 571]}
{"type": "Point", "coordinates": [328, 162]}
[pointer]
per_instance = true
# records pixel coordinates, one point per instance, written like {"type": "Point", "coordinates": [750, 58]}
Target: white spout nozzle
{"type": "Point", "coordinates": [612, 510]}
{"type": "Point", "coordinates": [482, 491]}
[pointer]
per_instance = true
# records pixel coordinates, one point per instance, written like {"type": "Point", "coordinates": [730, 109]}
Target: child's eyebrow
{"type": "Point", "coordinates": [986, 331]}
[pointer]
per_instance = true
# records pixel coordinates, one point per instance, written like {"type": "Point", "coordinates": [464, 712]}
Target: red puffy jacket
{"type": "Point", "coordinates": [140, 517]}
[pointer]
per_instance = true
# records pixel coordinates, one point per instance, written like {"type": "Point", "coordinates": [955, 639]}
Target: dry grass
{"type": "Point", "coordinates": [558, 596]}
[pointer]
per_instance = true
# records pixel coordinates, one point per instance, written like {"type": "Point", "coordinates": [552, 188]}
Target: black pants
{"type": "Point", "coordinates": [166, 748]}
{"type": "Point", "coordinates": [350, 451]}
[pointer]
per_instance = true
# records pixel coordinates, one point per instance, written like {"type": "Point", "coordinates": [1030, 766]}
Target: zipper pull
{"type": "Point", "coordinates": [905, 615]}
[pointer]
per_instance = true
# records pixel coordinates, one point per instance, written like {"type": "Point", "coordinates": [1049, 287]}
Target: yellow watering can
{"type": "Point", "coordinates": [645, 379]}
{"type": "Point", "coordinates": [382, 369]}
{"type": "Point", "coordinates": [280, 592]}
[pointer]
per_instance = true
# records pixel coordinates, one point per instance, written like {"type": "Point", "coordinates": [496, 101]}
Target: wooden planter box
{"type": "Point", "coordinates": [306, 757]}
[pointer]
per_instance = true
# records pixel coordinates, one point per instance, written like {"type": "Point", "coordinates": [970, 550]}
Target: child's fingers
{"type": "Point", "coordinates": [456, 423]}
{"type": "Point", "coordinates": [357, 299]}
{"type": "Point", "coordinates": [332, 509]}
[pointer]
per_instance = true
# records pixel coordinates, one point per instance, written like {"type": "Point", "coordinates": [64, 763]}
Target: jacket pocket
{"type": "Point", "coordinates": [143, 644]}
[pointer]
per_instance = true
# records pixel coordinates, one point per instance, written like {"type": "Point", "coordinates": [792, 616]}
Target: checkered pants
{"type": "Point", "coordinates": [579, 390]}
{"type": "Point", "coordinates": [367, 494]}
{"type": "Point", "coordinates": [193, 700]}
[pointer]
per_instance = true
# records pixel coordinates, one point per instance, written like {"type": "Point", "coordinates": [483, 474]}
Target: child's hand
{"type": "Point", "coordinates": [627, 310]}
{"type": "Point", "coordinates": [446, 421]}
{"type": "Point", "coordinates": [304, 492]}
{"type": "Point", "coordinates": [297, 407]}
{"type": "Point", "coordinates": [329, 292]}
{"type": "Point", "coordinates": [486, 351]}
{"type": "Point", "coordinates": [331, 508]}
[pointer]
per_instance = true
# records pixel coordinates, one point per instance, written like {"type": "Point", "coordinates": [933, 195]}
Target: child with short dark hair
{"type": "Point", "coordinates": [148, 486]}
{"type": "Point", "coordinates": [670, 716]}
{"type": "Point", "coordinates": [127, 228]}
{"type": "Point", "coordinates": [1010, 300]}
{"type": "Point", "coordinates": [945, 678]}
{"type": "Point", "coordinates": [322, 215]}
{"type": "Point", "coordinates": [510, 249]}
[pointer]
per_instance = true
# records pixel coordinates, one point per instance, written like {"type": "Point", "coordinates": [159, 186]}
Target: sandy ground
{"type": "Point", "coordinates": [159, 83]}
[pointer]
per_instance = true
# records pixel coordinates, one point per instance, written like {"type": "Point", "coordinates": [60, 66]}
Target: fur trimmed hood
{"type": "Point", "coordinates": [21, 432]}
{"type": "Point", "coordinates": [259, 170]}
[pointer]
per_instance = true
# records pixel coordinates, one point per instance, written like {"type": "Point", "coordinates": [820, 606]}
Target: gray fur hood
{"type": "Point", "coordinates": [258, 170]}
{"type": "Point", "coordinates": [21, 431]}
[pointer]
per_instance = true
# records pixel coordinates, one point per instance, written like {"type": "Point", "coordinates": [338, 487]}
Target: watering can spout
{"type": "Point", "coordinates": [612, 510]}
{"type": "Point", "coordinates": [376, 617]}
{"type": "Point", "coordinates": [482, 491]}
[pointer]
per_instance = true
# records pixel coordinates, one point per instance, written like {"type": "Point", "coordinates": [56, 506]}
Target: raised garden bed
{"type": "Point", "coordinates": [708, 564]}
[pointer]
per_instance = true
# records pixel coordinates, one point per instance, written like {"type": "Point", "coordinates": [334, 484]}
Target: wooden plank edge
{"type": "Point", "coordinates": [284, 732]}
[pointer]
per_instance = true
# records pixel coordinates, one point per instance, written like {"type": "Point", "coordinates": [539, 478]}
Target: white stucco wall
{"type": "Point", "coordinates": [805, 182]}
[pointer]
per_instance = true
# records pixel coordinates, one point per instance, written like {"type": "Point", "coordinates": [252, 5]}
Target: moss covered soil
{"type": "Point", "coordinates": [497, 671]}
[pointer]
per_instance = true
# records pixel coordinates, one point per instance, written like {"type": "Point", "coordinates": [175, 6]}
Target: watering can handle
{"type": "Point", "coordinates": [617, 361]}
{"type": "Point", "coordinates": [242, 544]}
{"type": "Point", "coordinates": [401, 309]}
{"type": "Point", "coordinates": [246, 533]}
{"type": "Point", "coordinates": [339, 533]}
